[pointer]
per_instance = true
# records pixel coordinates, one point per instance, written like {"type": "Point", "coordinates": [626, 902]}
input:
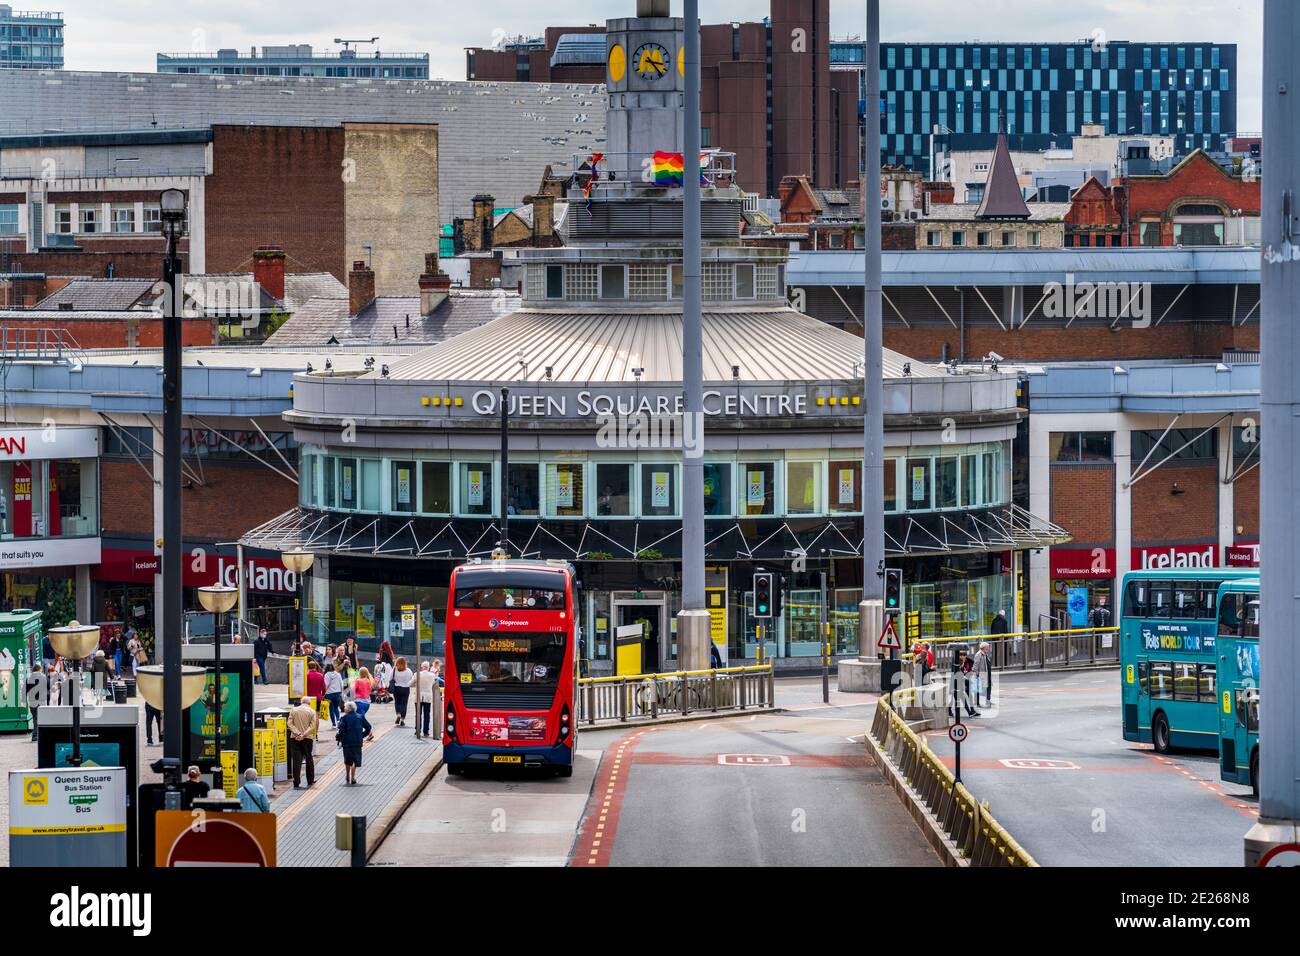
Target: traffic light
{"type": "Point", "coordinates": [764, 586]}
{"type": "Point", "coordinates": [893, 590]}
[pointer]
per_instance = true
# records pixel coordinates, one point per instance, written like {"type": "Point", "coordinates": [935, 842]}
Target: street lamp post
{"type": "Point", "coordinates": [150, 681]}
{"type": "Point", "coordinates": [75, 642]}
{"type": "Point", "coordinates": [170, 629]}
{"type": "Point", "coordinates": [299, 562]}
{"type": "Point", "coordinates": [218, 599]}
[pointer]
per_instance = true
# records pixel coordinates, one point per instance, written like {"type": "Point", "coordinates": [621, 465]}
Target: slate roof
{"type": "Point", "coordinates": [301, 287]}
{"type": "Point", "coordinates": [100, 295]}
{"type": "Point", "coordinates": [392, 319]}
{"type": "Point", "coordinates": [1002, 198]}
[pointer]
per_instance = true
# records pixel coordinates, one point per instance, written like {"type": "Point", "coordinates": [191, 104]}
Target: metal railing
{"type": "Point", "coordinates": [1030, 650]}
{"type": "Point", "coordinates": [978, 837]}
{"type": "Point", "coordinates": [641, 697]}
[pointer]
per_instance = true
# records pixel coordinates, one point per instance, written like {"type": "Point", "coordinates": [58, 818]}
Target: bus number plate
{"type": "Point", "coordinates": [507, 758]}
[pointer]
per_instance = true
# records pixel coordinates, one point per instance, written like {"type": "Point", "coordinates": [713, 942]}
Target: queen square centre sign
{"type": "Point", "coordinates": [593, 404]}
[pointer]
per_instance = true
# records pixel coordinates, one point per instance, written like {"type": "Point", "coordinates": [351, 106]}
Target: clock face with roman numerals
{"type": "Point", "coordinates": [651, 61]}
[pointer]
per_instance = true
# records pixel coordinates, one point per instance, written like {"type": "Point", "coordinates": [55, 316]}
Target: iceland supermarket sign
{"type": "Point", "coordinates": [1175, 556]}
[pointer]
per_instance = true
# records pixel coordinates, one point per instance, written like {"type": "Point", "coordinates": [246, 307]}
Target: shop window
{"type": "Point", "coordinates": [846, 487]}
{"type": "Point", "coordinates": [371, 484]}
{"type": "Point", "coordinates": [758, 489]}
{"type": "Point", "coordinates": [946, 483]}
{"type": "Point", "coordinates": [1081, 446]}
{"type": "Point", "coordinates": [717, 489]}
{"type": "Point", "coordinates": [802, 487]}
{"type": "Point", "coordinates": [918, 484]}
{"type": "Point", "coordinates": [349, 493]}
{"type": "Point", "coordinates": [403, 488]}
{"type": "Point", "coordinates": [659, 490]}
{"type": "Point", "coordinates": [565, 490]}
{"type": "Point", "coordinates": [476, 490]}
{"type": "Point", "coordinates": [524, 492]}
{"type": "Point", "coordinates": [613, 490]}
{"type": "Point", "coordinates": [435, 487]}
{"type": "Point", "coordinates": [969, 481]}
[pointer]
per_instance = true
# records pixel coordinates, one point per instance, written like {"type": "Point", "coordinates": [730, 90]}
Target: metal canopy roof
{"type": "Point", "coordinates": [767, 345]}
{"type": "Point", "coordinates": [996, 267]}
{"type": "Point", "coordinates": [1159, 389]}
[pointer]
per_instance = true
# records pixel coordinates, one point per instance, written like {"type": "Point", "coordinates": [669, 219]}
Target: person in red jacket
{"type": "Point", "coordinates": [315, 682]}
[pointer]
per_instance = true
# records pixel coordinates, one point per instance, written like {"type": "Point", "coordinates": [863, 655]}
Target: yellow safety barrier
{"type": "Point", "coordinates": [979, 838]}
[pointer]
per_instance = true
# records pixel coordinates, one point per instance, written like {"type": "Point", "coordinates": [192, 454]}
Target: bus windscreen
{"type": "Point", "coordinates": [492, 658]}
{"type": "Point", "coordinates": [510, 598]}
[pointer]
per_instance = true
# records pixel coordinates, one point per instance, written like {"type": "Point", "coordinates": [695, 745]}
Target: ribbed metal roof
{"type": "Point", "coordinates": [769, 345]}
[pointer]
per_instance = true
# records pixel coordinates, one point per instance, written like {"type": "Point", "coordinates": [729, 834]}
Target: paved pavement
{"type": "Point", "coordinates": [494, 818]}
{"type": "Point", "coordinates": [1052, 761]}
{"type": "Point", "coordinates": [306, 825]}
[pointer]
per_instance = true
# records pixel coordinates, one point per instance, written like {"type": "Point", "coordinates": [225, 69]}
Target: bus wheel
{"type": "Point", "coordinates": [455, 769]}
{"type": "Point", "coordinates": [1160, 733]}
{"type": "Point", "coordinates": [1254, 773]}
{"type": "Point", "coordinates": [566, 771]}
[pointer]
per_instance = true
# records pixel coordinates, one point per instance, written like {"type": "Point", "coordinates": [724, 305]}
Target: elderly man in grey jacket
{"type": "Point", "coordinates": [983, 674]}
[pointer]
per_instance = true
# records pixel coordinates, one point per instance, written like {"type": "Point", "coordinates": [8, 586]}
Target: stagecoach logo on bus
{"type": "Point", "coordinates": [496, 623]}
{"type": "Point", "coordinates": [1175, 637]}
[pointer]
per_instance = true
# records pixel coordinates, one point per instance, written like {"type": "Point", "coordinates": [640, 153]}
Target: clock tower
{"type": "Point", "coordinates": [646, 82]}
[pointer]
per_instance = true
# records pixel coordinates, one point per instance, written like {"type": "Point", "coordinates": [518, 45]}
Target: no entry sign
{"type": "Point", "coordinates": [216, 839]}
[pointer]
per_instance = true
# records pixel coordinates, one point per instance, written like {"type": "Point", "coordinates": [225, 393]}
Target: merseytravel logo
{"type": "Point", "coordinates": [36, 791]}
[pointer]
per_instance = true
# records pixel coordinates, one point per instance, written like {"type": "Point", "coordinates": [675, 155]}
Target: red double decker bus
{"type": "Point", "coordinates": [512, 660]}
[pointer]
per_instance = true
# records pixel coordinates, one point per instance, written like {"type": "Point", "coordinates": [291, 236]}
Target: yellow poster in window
{"type": "Point", "coordinates": [344, 614]}
{"type": "Point", "coordinates": [365, 620]}
{"type": "Point", "coordinates": [426, 624]}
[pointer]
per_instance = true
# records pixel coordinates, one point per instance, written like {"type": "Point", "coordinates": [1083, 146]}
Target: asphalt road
{"type": "Point", "coordinates": [1052, 761]}
{"type": "Point", "coordinates": [762, 790]}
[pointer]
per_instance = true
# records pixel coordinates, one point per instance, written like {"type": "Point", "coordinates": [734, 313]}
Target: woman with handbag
{"type": "Point", "coordinates": [403, 678]}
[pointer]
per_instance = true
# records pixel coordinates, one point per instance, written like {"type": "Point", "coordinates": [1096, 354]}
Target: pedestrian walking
{"type": "Point", "coordinates": [350, 652]}
{"type": "Point", "coordinates": [252, 795]}
{"type": "Point", "coordinates": [261, 651]}
{"type": "Point", "coordinates": [354, 731]}
{"type": "Point", "coordinates": [403, 678]}
{"type": "Point", "coordinates": [427, 682]}
{"type": "Point", "coordinates": [982, 669]}
{"type": "Point", "coordinates": [334, 692]}
{"type": "Point", "coordinates": [1100, 615]}
{"type": "Point", "coordinates": [385, 654]}
{"type": "Point", "coordinates": [315, 681]}
{"type": "Point", "coordinates": [715, 659]}
{"type": "Point", "coordinates": [101, 674]}
{"type": "Point", "coordinates": [151, 715]}
{"type": "Point", "coordinates": [303, 722]}
{"type": "Point", "coordinates": [116, 646]}
{"type": "Point", "coordinates": [193, 788]}
{"type": "Point", "coordinates": [38, 693]}
{"type": "Point", "coordinates": [362, 688]}
{"type": "Point", "coordinates": [961, 670]}
{"type": "Point", "coordinates": [135, 648]}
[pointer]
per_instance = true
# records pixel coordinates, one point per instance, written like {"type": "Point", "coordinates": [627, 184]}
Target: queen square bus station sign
{"type": "Point", "coordinates": [67, 818]}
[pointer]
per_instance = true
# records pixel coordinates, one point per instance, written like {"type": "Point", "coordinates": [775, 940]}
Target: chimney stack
{"type": "Point", "coordinates": [268, 270]}
{"type": "Point", "coordinates": [484, 220]}
{"type": "Point", "coordinates": [543, 217]}
{"type": "Point", "coordinates": [361, 287]}
{"type": "Point", "coordinates": [435, 285]}
{"type": "Point", "coordinates": [652, 8]}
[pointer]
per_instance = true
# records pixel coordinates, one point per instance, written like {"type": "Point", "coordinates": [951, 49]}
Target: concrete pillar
{"type": "Point", "coordinates": [82, 585]}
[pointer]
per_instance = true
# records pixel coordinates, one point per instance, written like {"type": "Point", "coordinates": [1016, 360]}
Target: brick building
{"type": "Point", "coordinates": [768, 92]}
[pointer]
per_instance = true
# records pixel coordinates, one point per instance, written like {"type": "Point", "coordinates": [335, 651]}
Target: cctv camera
{"type": "Point", "coordinates": [995, 357]}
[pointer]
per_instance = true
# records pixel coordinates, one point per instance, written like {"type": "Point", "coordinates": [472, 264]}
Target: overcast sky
{"type": "Point", "coordinates": [126, 34]}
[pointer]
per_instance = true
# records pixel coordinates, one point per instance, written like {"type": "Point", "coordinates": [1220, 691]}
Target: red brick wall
{"type": "Point", "coordinates": [1199, 180]}
{"type": "Point", "coordinates": [1083, 503]}
{"type": "Point", "coordinates": [1160, 517]}
{"type": "Point", "coordinates": [273, 185]}
{"type": "Point", "coordinates": [1245, 512]}
{"type": "Point", "coordinates": [1182, 340]}
{"type": "Point", "coordinates": [237, 497]}
{"type": "Point", "coordinates": [120, 333]}
{"type": "Point", "coordinates": [130, 259]}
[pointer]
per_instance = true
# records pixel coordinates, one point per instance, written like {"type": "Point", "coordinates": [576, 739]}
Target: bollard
{"type": "Point", "coordinates": [350, 834]}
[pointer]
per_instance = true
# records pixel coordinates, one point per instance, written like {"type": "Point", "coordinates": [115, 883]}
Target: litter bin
{"type": "Point", "coordinates": [889, 675]}
{"type": "Point", "coordinates": [130, 687]}
{"type": "Point", "coordinates": [119, 692]}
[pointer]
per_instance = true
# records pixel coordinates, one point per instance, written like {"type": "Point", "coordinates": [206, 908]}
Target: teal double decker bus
{"type": "Point", "coordinates": [1169, 628]}
{"type": "Point", "coordinates": [1238, 676]}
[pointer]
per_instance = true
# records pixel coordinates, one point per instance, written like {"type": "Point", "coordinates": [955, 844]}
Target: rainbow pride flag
{"type": "Point", "coordinates": [667, 169]}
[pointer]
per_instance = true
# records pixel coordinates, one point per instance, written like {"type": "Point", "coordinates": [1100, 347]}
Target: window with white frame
{"type": "Point", "coordinates": [153, 219]}
{"type": "Point", "coordinates": [565, 489]}
{"type": "Point", "coordinates": [9, 220]}
{"type": "Point", "coordinates": [803, 487]}
{"type": "Point", "coordinates": [63, 220]}
{"type": "Point", "coordinates": [89, 219]}
{"type": "Point", "coordinates": [123, 219]}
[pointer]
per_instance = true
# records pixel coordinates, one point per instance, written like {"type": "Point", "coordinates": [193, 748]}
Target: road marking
{"type": "Point", "coordinates": [1039, 763]}
{"type": "Point", "coordinates": [594, 843]}
{"type": "Point", "coordinates": [753, 760]}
